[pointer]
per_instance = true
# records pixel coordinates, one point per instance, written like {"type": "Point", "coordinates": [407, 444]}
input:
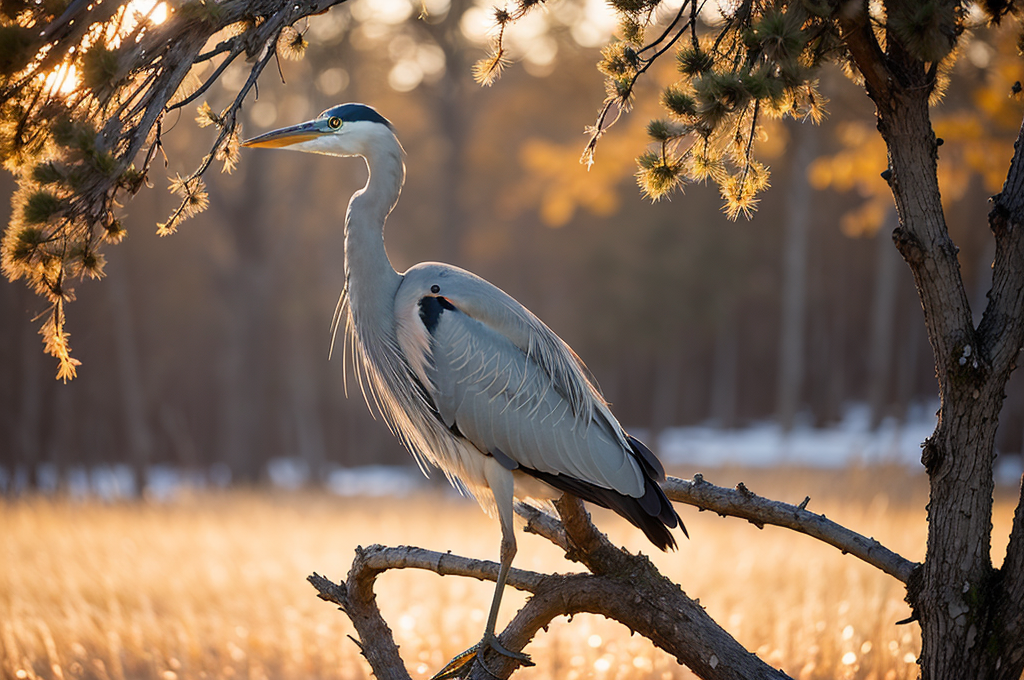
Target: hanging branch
{"type": "Point", "coordinates": [74, 151]}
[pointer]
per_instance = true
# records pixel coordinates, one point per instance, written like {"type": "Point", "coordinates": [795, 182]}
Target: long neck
{"type": "Point", "coordinates": [372, 281]}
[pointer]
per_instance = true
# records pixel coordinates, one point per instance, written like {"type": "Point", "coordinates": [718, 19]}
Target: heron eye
{"type": "Point", "coordinates": [435, 288]}
{"type": "Point", "coordinates": [334, 122]}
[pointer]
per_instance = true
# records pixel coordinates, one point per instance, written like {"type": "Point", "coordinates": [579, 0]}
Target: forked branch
{"type": "Point", "coordinates": [620, 586]}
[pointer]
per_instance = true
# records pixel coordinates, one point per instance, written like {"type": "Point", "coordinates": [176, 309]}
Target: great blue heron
{"type": "Point", "coordinates": [469, 379]}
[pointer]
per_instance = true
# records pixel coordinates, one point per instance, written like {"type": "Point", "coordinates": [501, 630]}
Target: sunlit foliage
{"type": "Point", "coordinates": [747, 62]}
{"type": "Point", "coordinates": [84, 89]}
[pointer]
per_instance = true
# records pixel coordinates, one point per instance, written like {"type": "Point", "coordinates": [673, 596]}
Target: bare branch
{"type": "Point", "coordinates": [634, 594]}
{"type": "Point", "coordinates": [541, 523]}
{"type": "Point", "coordinates": [867, 55]}
{"type": "Point", "coordinates": [759, 511]}
{"type": "Point", "coordinates": [1002, 326]}
{"type": "Point", "coordinates": [357, 600]}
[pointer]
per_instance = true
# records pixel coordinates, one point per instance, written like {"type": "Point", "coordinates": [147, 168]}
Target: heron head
{"type": "Point", "coordinates": [344, 130]}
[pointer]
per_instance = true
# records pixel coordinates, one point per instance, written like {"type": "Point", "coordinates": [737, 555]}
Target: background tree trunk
{"type": "Point", "coordinates": [883, 324]}
{"type": "Point", "coordinates": [137, 430]}
{"type": "Point", "coordinates": [794, 286]}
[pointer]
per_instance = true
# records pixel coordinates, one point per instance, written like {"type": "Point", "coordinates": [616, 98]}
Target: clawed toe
{"type": "Point", "coordinates": [460, 666]}
{"type": "Point", "coordinates": [523, 659]}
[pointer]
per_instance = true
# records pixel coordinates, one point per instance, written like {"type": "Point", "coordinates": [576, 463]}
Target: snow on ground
{"type": "Point", "coordinates": [850, 442]}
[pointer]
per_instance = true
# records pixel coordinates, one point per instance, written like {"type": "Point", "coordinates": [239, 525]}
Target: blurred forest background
{"type": "Point", "coordinates": [210, 347]}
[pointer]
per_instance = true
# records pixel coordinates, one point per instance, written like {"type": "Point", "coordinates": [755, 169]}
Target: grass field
{"type": "Point", "coordinates": [213, 585]}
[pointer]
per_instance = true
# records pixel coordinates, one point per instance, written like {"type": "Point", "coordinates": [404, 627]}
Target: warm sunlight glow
{"type": "Point", "coordinates": [156, 11]}
{"type": "Point", "coordinates": [134, 12]}
{"type": "Point", "coordinates": [168, 574]}
{"type": "Point", "coordinates": [63, 79]}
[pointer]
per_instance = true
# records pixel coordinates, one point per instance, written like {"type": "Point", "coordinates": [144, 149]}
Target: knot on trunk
{"type": "Point", "coordinates": [908, 245]}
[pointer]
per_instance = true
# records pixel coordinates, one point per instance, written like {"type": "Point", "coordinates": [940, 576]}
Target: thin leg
{"type": "Point", "coordinates": [501, 482]}
{"type": "Point", "coordinates": [508, 552]}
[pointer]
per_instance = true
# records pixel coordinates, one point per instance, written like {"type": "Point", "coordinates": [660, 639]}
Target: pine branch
{"type": "Point", "coordinates": [95, 132]}
{"type": "Point", "coordinates": [864, 49]}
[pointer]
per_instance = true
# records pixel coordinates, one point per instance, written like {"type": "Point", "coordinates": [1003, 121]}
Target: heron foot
{"type": "Point", "coordinates": [460, 666]}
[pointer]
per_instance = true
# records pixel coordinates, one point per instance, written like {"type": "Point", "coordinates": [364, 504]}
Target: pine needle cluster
{"type": "Point", "coordinates": [761, 62]}
{"type": "Point", "coordinates": [487, 70]}
{"type": "Point", "coordinates": [758, 59]}
{"type": "Point", "coordinates": [84, 89]}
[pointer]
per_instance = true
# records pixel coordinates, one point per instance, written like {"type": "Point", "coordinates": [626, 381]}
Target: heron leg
{"type": "Point", "coordinates": [501, 483]}
{"type": "Point", "coordinates": [508, 552]}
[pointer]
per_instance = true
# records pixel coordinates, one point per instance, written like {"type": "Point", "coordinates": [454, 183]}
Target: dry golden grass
{"type": "Point", "coordinates": [213, 586]}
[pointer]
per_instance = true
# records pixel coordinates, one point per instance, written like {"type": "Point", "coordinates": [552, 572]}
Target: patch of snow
{"type": "Point", "coordinates": [288, 473]}
{"type": "Point", "coordinates": [167, 482]}
{"type": "Point", "coordinates": [375, 480]}
{"type": "Point", "coordinates": [851, 441]}
{"type": "Point", "coordinates": [1009, 470]}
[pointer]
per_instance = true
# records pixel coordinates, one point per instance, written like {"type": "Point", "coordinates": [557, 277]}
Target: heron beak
{"type": "Point", "coordinates": [285, 137]}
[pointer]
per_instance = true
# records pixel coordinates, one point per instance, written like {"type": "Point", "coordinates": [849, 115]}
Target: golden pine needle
{"type": "Point", "coordinates": [487, 70]}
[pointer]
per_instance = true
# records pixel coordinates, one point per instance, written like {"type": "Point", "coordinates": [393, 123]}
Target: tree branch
{"type": "Point", "coordinates": [855, 23]}
{"type": "Point", "coordinates": [1009, 614]}
{"type": "Point", "coordinates": [1002, 325]}
{"type": "Point", "coordinates": [1003, 328]}
{"type": "Point", "coordinates": [624, 587]}
{"type": "Point", "coordinates": [543, 524]}
{"type": "Point", "coordinates": [759, 511]}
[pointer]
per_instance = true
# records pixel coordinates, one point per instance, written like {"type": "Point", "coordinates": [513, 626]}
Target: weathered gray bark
{"type": "Point", "coordinates": [621, 586]}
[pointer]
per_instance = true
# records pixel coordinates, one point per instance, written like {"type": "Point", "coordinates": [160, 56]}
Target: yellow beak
{"type": "Point", "coordinates": [284, 137]}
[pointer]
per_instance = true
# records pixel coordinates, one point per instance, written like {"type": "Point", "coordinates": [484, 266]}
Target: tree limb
{"type": "Point", "coordinates": [1003, 327]}
{"type": "Point", "coordinates": [855, 24]}
{"type": "Point", "coordinates": [624, 587]}
{"type": "Point", "coordinates": [1009, 614]}
{"type": "Point", "coordinates": [759, 511]}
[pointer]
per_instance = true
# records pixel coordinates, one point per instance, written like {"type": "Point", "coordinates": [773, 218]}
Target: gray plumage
{"type": "Point", "coordinates": [469, 379]}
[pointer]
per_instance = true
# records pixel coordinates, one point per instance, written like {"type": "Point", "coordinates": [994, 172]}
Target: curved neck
{"type": "Point", "coordinates": [372, 281]}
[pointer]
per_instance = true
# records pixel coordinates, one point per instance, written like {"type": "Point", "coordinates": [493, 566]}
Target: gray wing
{"type": "Point", "coordinates": [505, 401]}
{"type": "Point", "coordinates": [500, 312]}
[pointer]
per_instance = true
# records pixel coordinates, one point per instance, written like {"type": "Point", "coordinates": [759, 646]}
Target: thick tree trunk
{"type": "Point", "coordinates": [951, 595]}
{"type": "Point", "coordinates": [971, 615]}
{"type": "Point", "coordinates": [955, 592]}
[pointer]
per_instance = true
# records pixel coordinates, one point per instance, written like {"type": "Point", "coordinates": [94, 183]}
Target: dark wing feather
{"type": "Point", "coordinates": [653, 513]}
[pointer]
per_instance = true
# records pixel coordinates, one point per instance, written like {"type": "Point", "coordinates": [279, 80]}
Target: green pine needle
{"type": "Point", "coordinates": [40, 206]}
